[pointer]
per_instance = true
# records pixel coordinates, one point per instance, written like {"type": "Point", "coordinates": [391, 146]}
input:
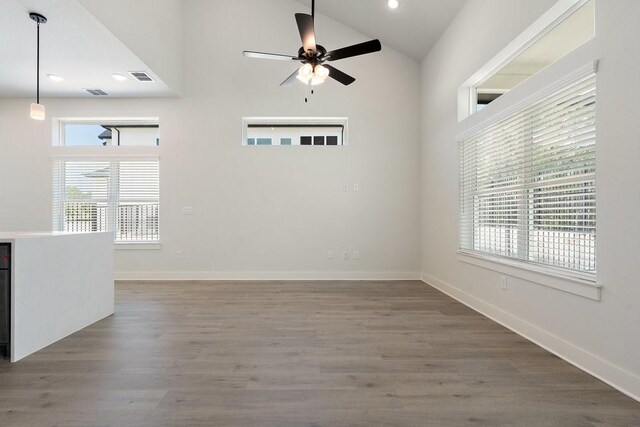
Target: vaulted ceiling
{"type": "Point", "coordinates": [86, 41]}
{"type": "Point", "coordinates": [413, 28]}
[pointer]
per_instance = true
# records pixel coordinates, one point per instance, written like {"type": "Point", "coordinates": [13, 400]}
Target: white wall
{"type": "Point", "coordinates": [603, 336]}
{"type": "Point", "coordinates": [260, 212]}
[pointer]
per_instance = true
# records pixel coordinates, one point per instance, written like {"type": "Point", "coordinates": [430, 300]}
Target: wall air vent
{"type": "Point", "coordinates": [141, 76]}
{"type": "Point", "coordinates": [97, 92]}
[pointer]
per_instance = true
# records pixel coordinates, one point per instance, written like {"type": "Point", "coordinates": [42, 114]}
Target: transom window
{"type": "Point", "coordinates": [295, 131]}
{"type": "Point", "coordinates": [560, 31]}
{"type": "Point", "coordinates": [107, 133]}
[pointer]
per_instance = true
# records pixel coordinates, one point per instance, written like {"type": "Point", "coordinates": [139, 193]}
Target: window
{"type": "Point", "coordinates": [111, 185]}
{"type": "Point", "coordinates": [295, 131]}
{"type": "Point", "coordinates": [527, 180]}
{"type": "Point", "coordinates": [560, 31]}
{"type": "Point", "coordinates": [109, 133]}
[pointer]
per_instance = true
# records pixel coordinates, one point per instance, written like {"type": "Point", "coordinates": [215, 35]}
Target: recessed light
{"type": "Point", "coordinates": [54, 78]}
{"type": "Point", "coordinates": [393, 4]}
{"type": "Point", "coordinates": [119, 77]}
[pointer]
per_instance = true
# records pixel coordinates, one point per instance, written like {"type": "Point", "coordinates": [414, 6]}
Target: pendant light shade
{"type": "Point", "coordinates": [37, 109]}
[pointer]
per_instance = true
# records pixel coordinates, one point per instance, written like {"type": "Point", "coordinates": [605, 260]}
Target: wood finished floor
{"type": "Point", "coordinates": [300, 354]}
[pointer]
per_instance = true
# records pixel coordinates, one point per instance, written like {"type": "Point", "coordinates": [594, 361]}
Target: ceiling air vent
{"type": "Point", "coordinates": [97, 92]}
{"type": "Point", "coordinates": [141, 76]}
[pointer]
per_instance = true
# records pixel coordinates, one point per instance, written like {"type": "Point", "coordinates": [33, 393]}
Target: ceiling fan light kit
{"type": "Point", "coordinates": [308, 74]}
{"type": "Point", "coordinates": [37, 111]}
{"type": "Point", "coordinates": [314, 70]}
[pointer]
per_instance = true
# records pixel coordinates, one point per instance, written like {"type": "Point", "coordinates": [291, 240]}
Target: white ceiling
{"type": "Point", "coordinates": [78, 46]}
{"type": "Point", "coordinates": [74, 45]}
{"type": "Point", "coordinates": [413, 28]}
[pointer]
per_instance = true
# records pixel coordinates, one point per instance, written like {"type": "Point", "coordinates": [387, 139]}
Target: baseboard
{"type": "Point", "coordinates": [615, 376]}
{"type": "Point", "coordinates": [267, 275]}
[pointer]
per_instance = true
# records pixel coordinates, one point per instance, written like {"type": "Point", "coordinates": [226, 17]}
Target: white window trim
{"type": "Point", "coordinates": [341, 121]}
{"type": "Point", "coordinates": [467, 94]}
{"type": "Point", "coordinates": [134, 246]}
{"type": "Point", "coordinates": [573, 283]}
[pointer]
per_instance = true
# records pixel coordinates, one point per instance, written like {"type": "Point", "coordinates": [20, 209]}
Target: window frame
{"type": "Point", "coordinates": [311, 122]}
{"type": "Point", "coordinates": [111, 153]}
{"type": "Point", "coordinates": [58, 135]}
{"type": "Point", "coordinates": [577, 283]}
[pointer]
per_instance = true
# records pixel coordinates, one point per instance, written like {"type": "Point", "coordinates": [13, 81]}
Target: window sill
{"type": "Point", "coordinates": [138, 246]}
{"type": "Point", "coordinates": [584, 287]}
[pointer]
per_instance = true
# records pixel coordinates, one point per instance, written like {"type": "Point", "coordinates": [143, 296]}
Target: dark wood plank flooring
{"type": "Point", "coordinates": [300, 354]}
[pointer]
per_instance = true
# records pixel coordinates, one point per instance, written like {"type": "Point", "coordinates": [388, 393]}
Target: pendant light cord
{"type": "Point", "coordinates": [38, 65]}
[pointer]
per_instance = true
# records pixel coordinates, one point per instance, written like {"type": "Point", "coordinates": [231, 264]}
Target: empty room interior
{"type": "Point", "coordinates": [319, 213]}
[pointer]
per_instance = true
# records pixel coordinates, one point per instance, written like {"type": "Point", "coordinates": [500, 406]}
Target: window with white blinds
{"type": "Point", "coordinates": [527, 182]}
{"type": "Point", "coordinates": [108, 195]}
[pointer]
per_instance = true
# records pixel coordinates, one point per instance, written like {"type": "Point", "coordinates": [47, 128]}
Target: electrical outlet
{"type": "Point", "coordinates": [179, 254]}
{"type": "Point", "coordinates": [345, 188]}
{"type": "Point", "coordinates": [356, 255]}
{"type": "Point", "coordinates": [356, 187]}
{"type": "Point", "coordinates": [330, 254]}
{"type": "Point", "coordinates": [503, 283]}
{"type": "Point", "coordinates": [345, 256]}
{"type": "Point", "coordinates": [187, 210]}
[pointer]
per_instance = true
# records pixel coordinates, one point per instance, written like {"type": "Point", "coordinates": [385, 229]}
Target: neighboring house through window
{"type": "Point", "coordinates": [315, 131]}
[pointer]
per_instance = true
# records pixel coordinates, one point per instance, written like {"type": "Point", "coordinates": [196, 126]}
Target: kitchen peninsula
{"type": "Point", "coordinates": [52, 285]}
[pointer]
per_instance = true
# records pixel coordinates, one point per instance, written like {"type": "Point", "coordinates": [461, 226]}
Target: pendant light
{"type": "Point", "coordinates": [37, 110]}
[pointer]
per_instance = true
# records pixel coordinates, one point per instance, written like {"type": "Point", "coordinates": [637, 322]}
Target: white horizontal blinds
{"type": "Point", "coordinates": [527, 182]}
{"type": "Point", "coordinates": [138, 201]}
{"type": "Point", "coordinates": [108, 195]}
{"type": "Point", "coordinates": [81, 196]}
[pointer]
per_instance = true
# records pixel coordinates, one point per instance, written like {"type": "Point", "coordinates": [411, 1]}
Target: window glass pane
{"type": "Point", "coordinates": [263, 141]}
{"type": "Point", "coordinates": [85, 135]}
{"type": "Point", "coordinates": [110, 134]}
{"type": "Point", "coordinates": [251, 141]}
{"type": "Point", "coordinates": [305, 140]}
{"type": "Point", "coordinates": [285, 141]}
{"type": "Point", "coordinates": [332, 140]}
{"type": "Point", "coordinates": [318, 140]}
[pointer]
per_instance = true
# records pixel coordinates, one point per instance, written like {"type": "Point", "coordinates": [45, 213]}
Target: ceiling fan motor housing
{"type": "Point", "coordinates": [314, 58]}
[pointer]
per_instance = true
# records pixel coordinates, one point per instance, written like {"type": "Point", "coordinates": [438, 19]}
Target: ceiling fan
{"type": "Point", "coordinates": [314, 70]}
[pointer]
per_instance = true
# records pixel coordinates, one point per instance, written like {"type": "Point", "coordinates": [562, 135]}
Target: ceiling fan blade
{"type": "Point", "coordinates": [290, 79]}
{"type": "Point", "coordinates": [263, 55]}
{"type": "Point", "coordinates": [307, 31]}
{"type": "Point", "coordinates": [355, 50]}
{"type": "Point", "coordinates": [338, 75]}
